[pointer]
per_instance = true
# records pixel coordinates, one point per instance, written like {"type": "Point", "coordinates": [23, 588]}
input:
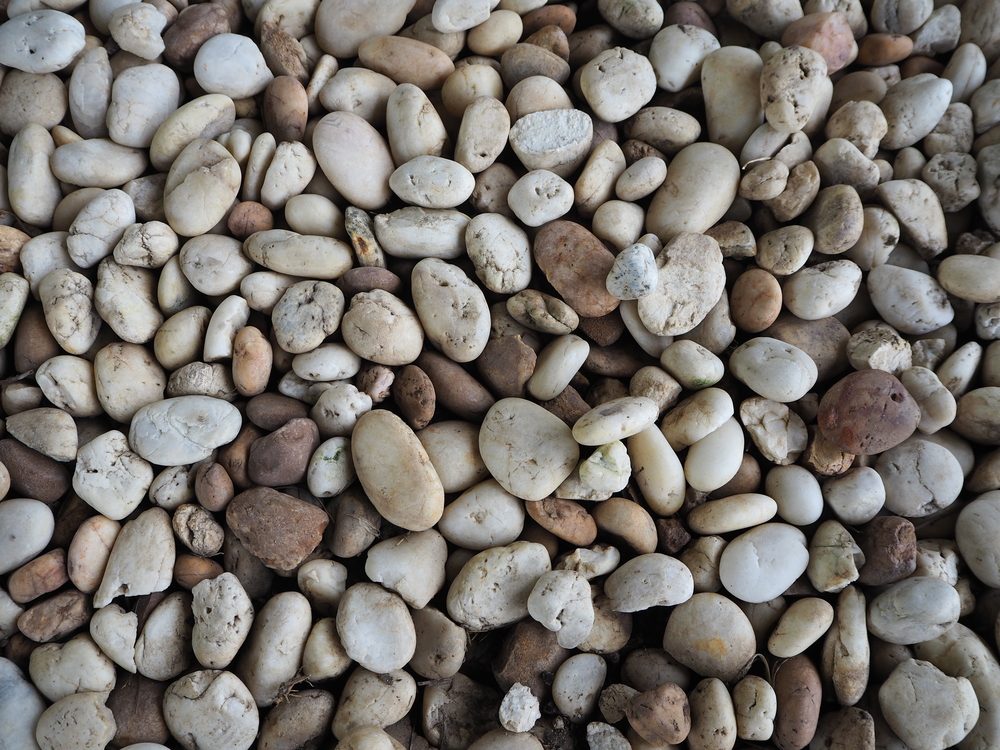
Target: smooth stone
{"type": "Point", "coordinates": [211, 708]}
{"type": "Point", "coordinates": [141, 560]}
{"type": "Point", "coordinates": [355, 158]}
{"type": "Point", "coordinates": [914, 610]}
{"type": "Point", "coordinates": [701, 184]}
{"type": "Point", "coordinates": [183, 430]}
{"type": "Point", "coordinates": [526, 448]}
{"type": "Point", "coordinates": [41, 41]}
{"type": "Point", "coordinates": [109, 477]}
{"type": "Point", "coordinates": [926, 708]}
{"type": "Point", "coordinates": [375, 628]}
{"type": "Point", "coordinates": [233, 65]}
{"type": "Point", "coordinates": [976, 533]}
{"type": "Point", "coordinates": [27, 529]}
{"type": "Point", "coordinates": [492, 589]}
{"type": "Point", "coordinates": [774, 369]}
{"type": "Point", "coordinates": [762, 563]}
{"type": "Point", "coordinates": [21, 705]}
{"type": "Point", "coordinates": [396, 472]}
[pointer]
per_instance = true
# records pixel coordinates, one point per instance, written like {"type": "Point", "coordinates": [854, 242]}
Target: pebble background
{"type": "Point", "coordinates": [499, 374]}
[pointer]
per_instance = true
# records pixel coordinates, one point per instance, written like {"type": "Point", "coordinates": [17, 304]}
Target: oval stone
{"type": "Point", "coordinates": [396, 472]}
{"type": "Point", "coordinates": [526, 448]}
{"type": "Point", "coordinates": [576, 263]}
{"type": "Point", "coordinates": [847, 413]}
{"type": "Point", "coordinates": [183, 430]}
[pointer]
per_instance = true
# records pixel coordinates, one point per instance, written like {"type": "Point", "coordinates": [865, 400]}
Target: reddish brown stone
{"type": "Point", "coordinates": [530, 655]}
{"type": "Point", "coordinates": [33, 474]}
{"type": "Point", "coordinates": [42, 575]}
{"type": "Point", "coordinates": [868, 411]}
{"type": "Point", "coordinates": [568, 520]}
{"type": "Point", "coordinates": [33, 341]}
{"type": "Point", "coordinates": [233, 457]}
{"type": "Point", "coordinates": [576, 263]}
{"type": "Point", "coordinates": [414, 394]}
{"type": "Point", "coordinates": [190, 570]}
{"type": "Point", "coordinates": [505, 366]}
{"type": "Point", "coordinates": [884, 49]}
{"type": "Point", "coordinates": [824, 340]}
{"type": "Point", "coordinates": [279, 529]}
{"type": "Point", "coordinates": [605, 330]}
{"type": "Point", "coordinates": [248, 217]}
{"type": "Point", "coordinates": [195, 25]}
{"type": "Point", "coordinates": [455, 389]}
{"type": "Point", "coordinates": [613, 361]}
{"type": "Point", "coordinates": [285, 108]}
{"type": "Point", "coordinates": [56, 617]}
{"type": "Point", "coordinates": [569, 405]}
{"type": "Point", "coordinates": [889, 544]}
{"type": "Point", "coordinates": [689, 14]}
{"type": "Point", "coordinates": [283, 456]}
{"type": "Point", "coordinates": [137, 703]}
{"type": "Point", "coordinates": [671, 536]}
{"type": "Point", "coordinates": [550, 15]}
{"type": "Point", "coordinates": [269, 411]}
{"type": "Point", "coordinates": [552, 38]}
{"type": "Point", "coordinates": [800, 693]}
{"type": "Point", "coordinates": [367, 278]}
{"type": "Point", "coordinates": [827, 33]}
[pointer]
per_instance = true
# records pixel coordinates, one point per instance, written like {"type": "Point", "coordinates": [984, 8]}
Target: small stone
{"type": "Point", "coordinates": [279, 529]}
{"type": "Point", "coordinates": [519, 709]}
{"type": "Point", "coordinates": [634, 273]}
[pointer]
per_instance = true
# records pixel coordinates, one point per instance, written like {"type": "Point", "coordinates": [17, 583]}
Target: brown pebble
{"type": "Point", "coordinates": [918, 64]}
{"type": "Point", "coordinates": [12, 240]}
{"type": "Point", "coordinates": [269, 411]}
{"type": "Point", "coordinates": [368, 278]}
{"type": "Point", "coordinates": [747, 479]}
{"type": "Point", "coordinates": [568, 520]}
{"type": "Point", "coordinates": [285, 109]}
{"type": "Point", "coordinates": [283, 53]}
{"type": "Point", "coordinates": [613, 361]}
{"type": "Point", "coordinates": [689, 14]}
{"type": "Point", "coordinates": [248, 217]}
{"type": "Point", "coordinates": [849, 728]}
{"type": "Point", "coordinates": [800, 693]}
{"type": "Point", "coordinates": [70, 513]}
{"type": "Point", "coordinates": [735, 239]}
{"type": "Point", "coordinates": [190, 570]}
{"type": "Point", "coordinates": [824, 340]}
{"type": "Point", "coordinates": [605, 330]}
{"type": "Point", "coordinates": [455, 389]}
{"type": "Point", "coordinates": [506, 365]}
{"type": "Point", "coordinates": [866, 412]}
{"type": "Point", "coordinates": [283, 456]}
{"type": "Point", "coordinates": [137, 704]}
{"type": "Point", "coordinates": [213, 487]}
{"type": "Point", "coordinates": [55, 617]}
{"type": "Point", "coordinates": [755, 300]}
{"type": "Point", "coordinates": [884, 49]}
{"type": "Point", "coordinates": [661, 716]}
{"type": "Point", "coordinates": [671, 536]}
{"type": "Point", "coordinates": [18, 649]}
{"type": "Point", "coordinates": [279, 529]}
{"type": "Point", "coordinates": [253, 357]}
{"type": "Point", "coordinates": [827, 33]}
{"type": "Point", "coordinates": [550, 15]}
{"type": "Point", "coordinates": [525, 60]}
{"type": "Point", "coordinates": [552, 38]}
{"type": "Point", "coordinates": [33, 474]}
{"type": "Point", "coordinates": [634, 150]}
{"type": "Point", "coordinates": [825, 458]}
{"type": "Point", "coordinates": [628, 521]}
{"type": "Point", "coordinates": [33, 342]}
{"type": "Point", "coordinates": [414, 394]}
{"type": "Point", "coordinates": [233, 457]}
{"type": "Point", "coordinates": [569, 405]}
{"type": "Point", "coordinates": [529, 655]}
{"type": "Point", "coordinates": [195, 25]}
{"type": "Point", "coordinates": [356, 524]}
{"type": "Point", "coordinates": [42, 575]}
{"type": "Point", "coordinates": [577, 264]}
{"type": "Point", "coordinates": [889, 544]}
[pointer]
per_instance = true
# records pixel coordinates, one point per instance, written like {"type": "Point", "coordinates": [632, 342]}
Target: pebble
{"type": "Point", "coordinates": [78, 720]}
{"type": "Point", "coordinates": [773, 369]}
{"type": "Point", "coordinates": [528, 450]}
{"type": "Point", "coordinates": [762, 563]}
{"type": "Point", "coordinates": [132, 567]}
{"type": "Point", "coordinates": [690, 281]}
{"type": "Point", "coordinates": [634, 273]}
{"type": "Point", "coordinates": [412, 566]}
{"type": "Point", "coordinates": [711, 635]}
{"type": "Point", "coordinates": [649, 580]}
{"type": "Point", "coordinates": [279, 529]}
{"type": "Point", "coordinates": [396, 471]}
{"type": "Point", "coordinates": [211, 706]}
{"type": "Point", "coordinates": [183, 430]}
{"type": "Point", "coordinates": [920, 478]}
{"type": "Point", "coordinates": [617, 83]}
{"type": "Point", "coordinates": [492, 589]}
{"type": "Point", "coordinates": [701, 184]}
{"type": "Point", "coordinates": [911, 699]}
{"type": "Point", "coordinates": [355, 158]}
{"type": "Point", "coordinates": [41, 41]}
{"type": "Point", "coordinates": [28, 528]}
{"type": "Point", "coordinates": [110, 477]}
{"type": "Point", "coordinates": [974, 530]}
{"type": "Point", "coordinates": [914, 610]}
